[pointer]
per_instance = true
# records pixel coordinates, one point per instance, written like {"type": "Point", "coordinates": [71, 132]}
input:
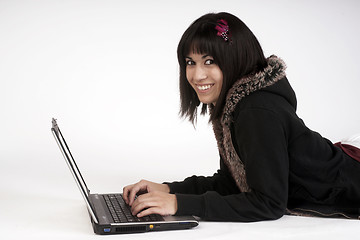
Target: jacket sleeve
{"type": "Point", "coordinates": [220, 182]}
{"type": "Point", "coordinates": [260, 141]}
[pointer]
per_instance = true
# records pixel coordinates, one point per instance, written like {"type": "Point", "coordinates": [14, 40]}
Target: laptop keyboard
{"type": "Point", "coordinates": [121, 213]}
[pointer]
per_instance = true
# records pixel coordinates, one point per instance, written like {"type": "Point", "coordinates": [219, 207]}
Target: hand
{"type": "Point", "coordinates": [154, 203]}
{"type": "Point", "coordinates": [129, 192]}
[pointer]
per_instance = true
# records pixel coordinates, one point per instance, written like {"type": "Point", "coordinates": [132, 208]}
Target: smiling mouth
{"type": "Point", "coordinates": [204, 87]}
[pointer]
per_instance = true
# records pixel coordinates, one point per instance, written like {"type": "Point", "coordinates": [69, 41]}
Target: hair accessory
{"type": "Point", "coordinates": [223, 29]}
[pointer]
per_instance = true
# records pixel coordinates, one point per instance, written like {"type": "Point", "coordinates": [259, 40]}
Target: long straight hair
{"type": "Point", "coordinates": [240, 56]}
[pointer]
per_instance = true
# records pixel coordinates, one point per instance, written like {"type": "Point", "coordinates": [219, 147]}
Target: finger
{"type": "Point", "coordinates": [149, 211]}
{"type": "Point", "coordinates": [126, 191]}
{"type": "Point", "coordinates": [137, 188]}
{"type": "Point", "coordinates": [129, 193]}
{"type": "Point", "coordinates": [138, 207]}
{"type": "Point", "coordinates": [132, 195]}
{"type": "Point", "coordinates": [142, 202]}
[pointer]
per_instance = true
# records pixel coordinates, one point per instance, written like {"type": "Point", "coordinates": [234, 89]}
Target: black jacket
{"type": "Point", "coordinates": [289, 168]}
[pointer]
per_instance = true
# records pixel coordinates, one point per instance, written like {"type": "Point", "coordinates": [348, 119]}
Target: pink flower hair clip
{"type": "Point", "coordinates": [223, 29]}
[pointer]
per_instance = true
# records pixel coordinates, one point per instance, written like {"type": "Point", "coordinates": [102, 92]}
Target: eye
{"type": "Point", "coordinates": [190, 62]}
{"type": "Point", "coordinates": [209, 61]}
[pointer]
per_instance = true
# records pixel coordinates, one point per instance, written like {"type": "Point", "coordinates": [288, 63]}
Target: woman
{"type": "Point", "coordinates": [271, 164]}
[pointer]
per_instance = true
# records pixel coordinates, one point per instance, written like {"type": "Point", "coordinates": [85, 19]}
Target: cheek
{"type": "Point", "coordinates": [219, 77]}
{"type": "Point", "coordinates": [188, 76]}
{"type": "Point", "coordinates": [219, 82]}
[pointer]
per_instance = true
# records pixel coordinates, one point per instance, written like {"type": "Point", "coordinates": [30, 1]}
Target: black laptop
{"type": "Point", "coordinates": [109, 213]}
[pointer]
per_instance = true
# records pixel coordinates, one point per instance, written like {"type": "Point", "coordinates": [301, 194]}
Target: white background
{"type": "Point", "coordinates": [107, 70]}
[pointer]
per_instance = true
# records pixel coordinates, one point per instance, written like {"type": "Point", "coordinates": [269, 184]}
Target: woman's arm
{"type": "Point", "coordinates": [260, 140]}
{"type": "Point", "coordinates": [220, 182]}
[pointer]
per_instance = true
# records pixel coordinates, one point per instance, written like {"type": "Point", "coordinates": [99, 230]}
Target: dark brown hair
{"type": "Point", "coordinates": [240, 56]}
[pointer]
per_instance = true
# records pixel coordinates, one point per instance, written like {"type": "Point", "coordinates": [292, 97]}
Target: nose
{"type": "Point", "coordinates": [200, 73]}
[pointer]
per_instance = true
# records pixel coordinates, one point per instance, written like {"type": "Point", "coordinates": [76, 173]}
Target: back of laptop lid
{"type": "Point", "coordinates": [73, 167]}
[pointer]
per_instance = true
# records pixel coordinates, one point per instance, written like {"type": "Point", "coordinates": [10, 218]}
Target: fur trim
{"type": "Point", "coordinates": [242, 88]}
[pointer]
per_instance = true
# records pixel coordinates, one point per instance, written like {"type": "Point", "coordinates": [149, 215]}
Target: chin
{"type": "Point", "coordinates": [206, 101]}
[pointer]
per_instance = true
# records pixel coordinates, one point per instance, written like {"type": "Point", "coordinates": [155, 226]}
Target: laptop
{"type": "Point", "coordinates": [108, 212]}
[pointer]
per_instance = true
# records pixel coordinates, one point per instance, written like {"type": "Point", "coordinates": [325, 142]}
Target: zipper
{"type": "Point", "coordinates": [313, 213]}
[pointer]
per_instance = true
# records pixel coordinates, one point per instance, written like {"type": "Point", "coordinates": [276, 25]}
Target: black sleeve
{"type": "Point", "coordinates": [220, 182]}
{"type": "Point", "coordinates": [260, 141]}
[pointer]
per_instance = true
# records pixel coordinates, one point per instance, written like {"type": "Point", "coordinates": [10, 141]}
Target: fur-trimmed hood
{"type": "Point", "coordinates": [274, 72]}
{"type": "Point", "coordinates": [243, 87]}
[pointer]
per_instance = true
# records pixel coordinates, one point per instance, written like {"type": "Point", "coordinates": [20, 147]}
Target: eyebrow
{"type": "Point", "coordinates": [204, 56]}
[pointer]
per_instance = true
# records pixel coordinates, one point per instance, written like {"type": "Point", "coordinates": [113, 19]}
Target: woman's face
{"type": "Point", "coordinates": [204, 76]}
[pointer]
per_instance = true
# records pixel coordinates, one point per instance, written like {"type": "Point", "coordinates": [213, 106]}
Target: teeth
{"type": "Point", "coordinates": [204, 87]}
